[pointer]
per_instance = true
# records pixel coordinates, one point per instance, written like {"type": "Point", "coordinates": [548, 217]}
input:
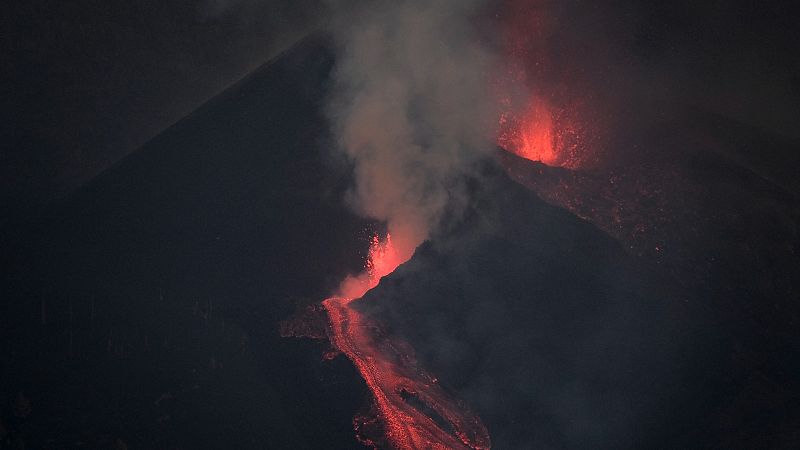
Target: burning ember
{"type": "Point", "coordinates": [414, 409]}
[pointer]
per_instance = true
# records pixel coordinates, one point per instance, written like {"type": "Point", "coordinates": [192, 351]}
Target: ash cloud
{"type": "Point", "coordinates": [410, 109]}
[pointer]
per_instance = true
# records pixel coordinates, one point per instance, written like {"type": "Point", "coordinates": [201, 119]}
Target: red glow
{"type": "Point", "coordinates": [532, 135]}
{"type": "Point", "coordinates": [542, 115]}
{"type": "Point", "coordinates": [391, 372]}
{"type": "Point", "coordinates": [545, 134]}
{"type": "Point", "coordinates": [383, 258]}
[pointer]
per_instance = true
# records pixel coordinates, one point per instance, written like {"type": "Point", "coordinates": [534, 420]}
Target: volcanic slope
{"type": "Point", "coordinates": [540, 321]}
{"type": "Point", "coordinates": [564, 332]}
{"type": "Point", "coordinates": [705, 201]}
{"type": "Point", "coordinates": [144, 308]}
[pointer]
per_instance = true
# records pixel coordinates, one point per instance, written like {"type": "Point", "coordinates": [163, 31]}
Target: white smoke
{"type": "Point", "coordinates": [411, 109]}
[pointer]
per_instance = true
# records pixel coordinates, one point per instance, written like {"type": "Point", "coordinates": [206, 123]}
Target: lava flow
{"type": "Point", "coordinates": [414, 410]}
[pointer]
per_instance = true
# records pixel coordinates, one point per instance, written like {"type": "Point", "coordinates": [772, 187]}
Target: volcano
{"type": "Point", "coordinates": [145, 309]}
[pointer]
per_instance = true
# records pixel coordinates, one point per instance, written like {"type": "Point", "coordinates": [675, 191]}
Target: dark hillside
{"type": "Point", "coordinates": [145, 307]}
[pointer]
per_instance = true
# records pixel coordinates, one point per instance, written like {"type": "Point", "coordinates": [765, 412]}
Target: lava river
{"type": "Point", "coordinates": [414, 410]}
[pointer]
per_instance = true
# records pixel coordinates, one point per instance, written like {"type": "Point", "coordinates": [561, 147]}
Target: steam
{"type": "Point", "coordinates": [410, 109]}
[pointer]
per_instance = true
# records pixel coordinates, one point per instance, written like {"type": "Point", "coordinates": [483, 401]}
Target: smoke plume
{"type": "Point", "coordinates": [410, 110]}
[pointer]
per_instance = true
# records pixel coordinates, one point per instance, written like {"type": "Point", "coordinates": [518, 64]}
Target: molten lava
{"type": "Point", "coordinates": [414, 409]}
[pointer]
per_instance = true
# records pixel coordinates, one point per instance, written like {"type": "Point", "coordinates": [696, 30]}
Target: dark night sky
{"type": "Point", "coordinates": [87, 82]}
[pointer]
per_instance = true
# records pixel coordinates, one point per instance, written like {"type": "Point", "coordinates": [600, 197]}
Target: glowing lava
{"type": "Point", "coordinates": [383, 258]}
{"type": "Point", "coordinates": [414, 409]}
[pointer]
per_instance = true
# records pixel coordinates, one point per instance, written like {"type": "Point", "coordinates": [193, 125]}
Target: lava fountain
{"type": "Point", "coordinates": [530, 135]}
{"type": "Point", "coordinates": [543, 117]}
{"type": "Point", "coordinates": [415, 411]}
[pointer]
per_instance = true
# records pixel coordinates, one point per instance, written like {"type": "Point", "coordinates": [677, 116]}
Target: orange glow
{"type": "Point", "coordinates": [432, 420]}
{"type": "Point", "coordinates": [382, 259]}
{"type": "Point", "coordinates": [531, 136]}
{"type": "Point", "coordinates": [544, 115]}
